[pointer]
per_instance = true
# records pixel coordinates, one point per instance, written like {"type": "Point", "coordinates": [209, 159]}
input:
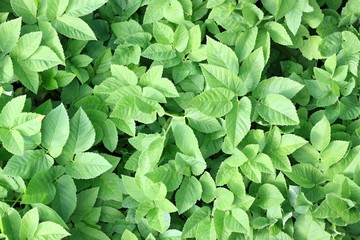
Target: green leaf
{"type": "Point", "coordinates": [78, 8]}
{"type": "Point", "coordinates": [215, 102]}
{"type": "Point", "coordinates": [333, 153]}
{"type": "Point", "coordinates": [238, 121]}
{"type": "Point", "coordinates": [153, 78]}
{"type": "Point", "coordinates": [29, 224]}
{"type": "Point", "coordinates": [82, 231]}
{"type": "Point", "coordinates": [51, 39]}
{"type": "Point", "coordinates": [277, 85]}
{"type": "Point", "coordinates": [7, 69]}
{"type": "Point", "coordinates": [28, 124]}
{"type": "Point", "coordinates": [65, 199]}
{"type": "Point", "coordinates": [55, 130]}
{"type": "Point", "coordinates": [201, 122]}
{"type": "Point", "coordinates": [26, 9]}
{"type": "Point", "coordinates": [27, 45]}
{"type": "Point", "coordinates": [294, 16]}
{"type": "Point", "coordinates": [320, 134]}
{"type": "Point", "coordinates": [163, 33]}
{"type": "Point", "coordinates": [156, 220]}
{"type": "Point", "coordinates": [29, 164]}
{"type": "Point", "coordinates": [308, 228]}
{"type": "Point", "coordinates": [43, 59]}
{"type": "Point", "coordinates": [245, 44]}
{"type": "Point", "coordinates": [209, 188]}
{"type": "Point", "coordinates": [237, 221]}
{"type": "Point", "coordinates": [159, 52]}
{"type": "Point", "coordinates": [10, 29]}
{"type": "Point", "coordinates": [188, 193]}
{"type": "Point", "coordinates": [87, 198]}
{"type": "Point", "coordinates": [269, 196]}
{"type": "Point", "coordinates": [11, 111]}
{"type": "Point", "coordinates": [224, 199]}
{"type": "Point", "coordinates": [133, 189]}
{"type": "Point", "coordinates": [73, 27]}
{"type": "Point", "coordinates": [310, 48]}
{"type": "Point", "coordinates": [87, 165]}
{"type": "Point", "coordinates": [278, 110]}
{"type": "Point", "coordinates": [12, 141]}
{"type": "Point", "coordinates": [187, 142]}
{"type": "Point", "coordinates": [251, 69]}
{"type": "Point", "coordinates": [10, 221]}
{"type": "Point", "coordinates": [154, 11]}
{"type": "Point", "coordinates": [29, 78]}
{"type": "Point", "coordinates": [50, 230]}
{"type": "Point", "coordinates": [181, 38]}
{"type": "Point", "coordinates": [290, 143]}
{"type": "Point", "coordinates": [194, 221]}
{"type": "Point", "coordinates": [305, 175]}
{"type": "Point", "coordinates": [41, 187]}
{"type": "Point", "coordinates": [56, 8]}
{"type": "Point", "coordinates": [48, 214]}
{"type": "Point", "coordinates": [278, 33]}
{"type": "Point", "coordinates": [221, 77]}
{"type": "Point", "coordinates": [127, 235]}
{"type": "Point", "coordinates": [110, 138]}
{"type": "Point", "coordinates": [221, 55]}
{"type": "Point", "coordinates": [173, 11]}
{"type": "Point", "coordinates": [82, 133]}
{"type": "Point", "coordinates": [110, 187]}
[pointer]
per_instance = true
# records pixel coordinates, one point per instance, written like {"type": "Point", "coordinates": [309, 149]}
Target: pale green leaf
{"type": "Point", "coordinates": [29, 224]}
{"type": "Point", "coordinates": [50, 231]}
{"type": "Point", "coordinates": [73, 27]}
{"type": "Point", "coordinates": [277, 85]}
{"type": "Point", "coordinates": [278, 110]}
{"type": "Point", "coordinates": [10, 29]}
{"type": "Point", "coordinates": [221, 55]}
{"type": "Point", "coordinates": [78, 8]}
{"type": "Point", "coordinates": [43, 59]}
{"type": "Point", "coordinates": [278, 33]}
{"type": "Point", "coordinates": [27, 45]}
{"type": "Point", "coordinates": [11, 111]}
{"type": "Point", "coordinates": [269, 196]}
{"type": "Point", "coordinates": [55, 130]}
{"type": "Point", "coordinates": [320, 134]}
{"type": "Point", "coordinates": [251, 69]}
{"type": "Point", "coordinates": [65, 199]}
{"type": "Point", "coordinates": [216, 76]}
{"type": "Point", "coordinates": [87, 165]}
{"type": "Point", "coordinates": [238, 121]}
{"type": "Point", "coordinates": [26, 9]}
{"type": "Point", "coordinates": [305, 175]}
{"type": "Point", "coordinates": [27, 165]}
{"type": "Point", "coordinates": [215, 102]}
{"type": "Point", "coordinates": [188, 193]}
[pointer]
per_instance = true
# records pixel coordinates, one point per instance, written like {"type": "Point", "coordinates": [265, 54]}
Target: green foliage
{"type": "Point", "coordinates": [179, 119]}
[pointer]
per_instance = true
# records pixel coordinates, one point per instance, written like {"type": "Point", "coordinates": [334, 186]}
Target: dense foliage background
{"type": "Point", "coordinates": [173, 119]}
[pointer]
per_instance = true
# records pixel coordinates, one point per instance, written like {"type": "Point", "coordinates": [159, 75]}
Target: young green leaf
{"type": "Point", "coordinates": [87, 165]}
{"type": "Point", "coordinates": [29, 224]}
{"type": "Point", "coordinates": [55, 130]}
{"type": "Point", "coordinates": [10, 29]}
{"type": "Point", "coordinates": [215, 102]}
{"type": "Point", "coordinates": [78, 8]}
{"type": "Point", "coordinates": [73, 27]}
{"type": "Point", "coordinates": [320, 134]}
{"type": "Point", "coordinates": [269, 196]}
{"type": "Point", "coordinates": [221, 55]}
{"type": "Point", "coordinates": [188, 193]}
{"type": "Point", "coordinates": [279, 110]}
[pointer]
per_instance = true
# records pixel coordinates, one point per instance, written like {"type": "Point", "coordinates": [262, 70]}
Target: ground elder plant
{"type": "Point", "coordinates": [179, 119]}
